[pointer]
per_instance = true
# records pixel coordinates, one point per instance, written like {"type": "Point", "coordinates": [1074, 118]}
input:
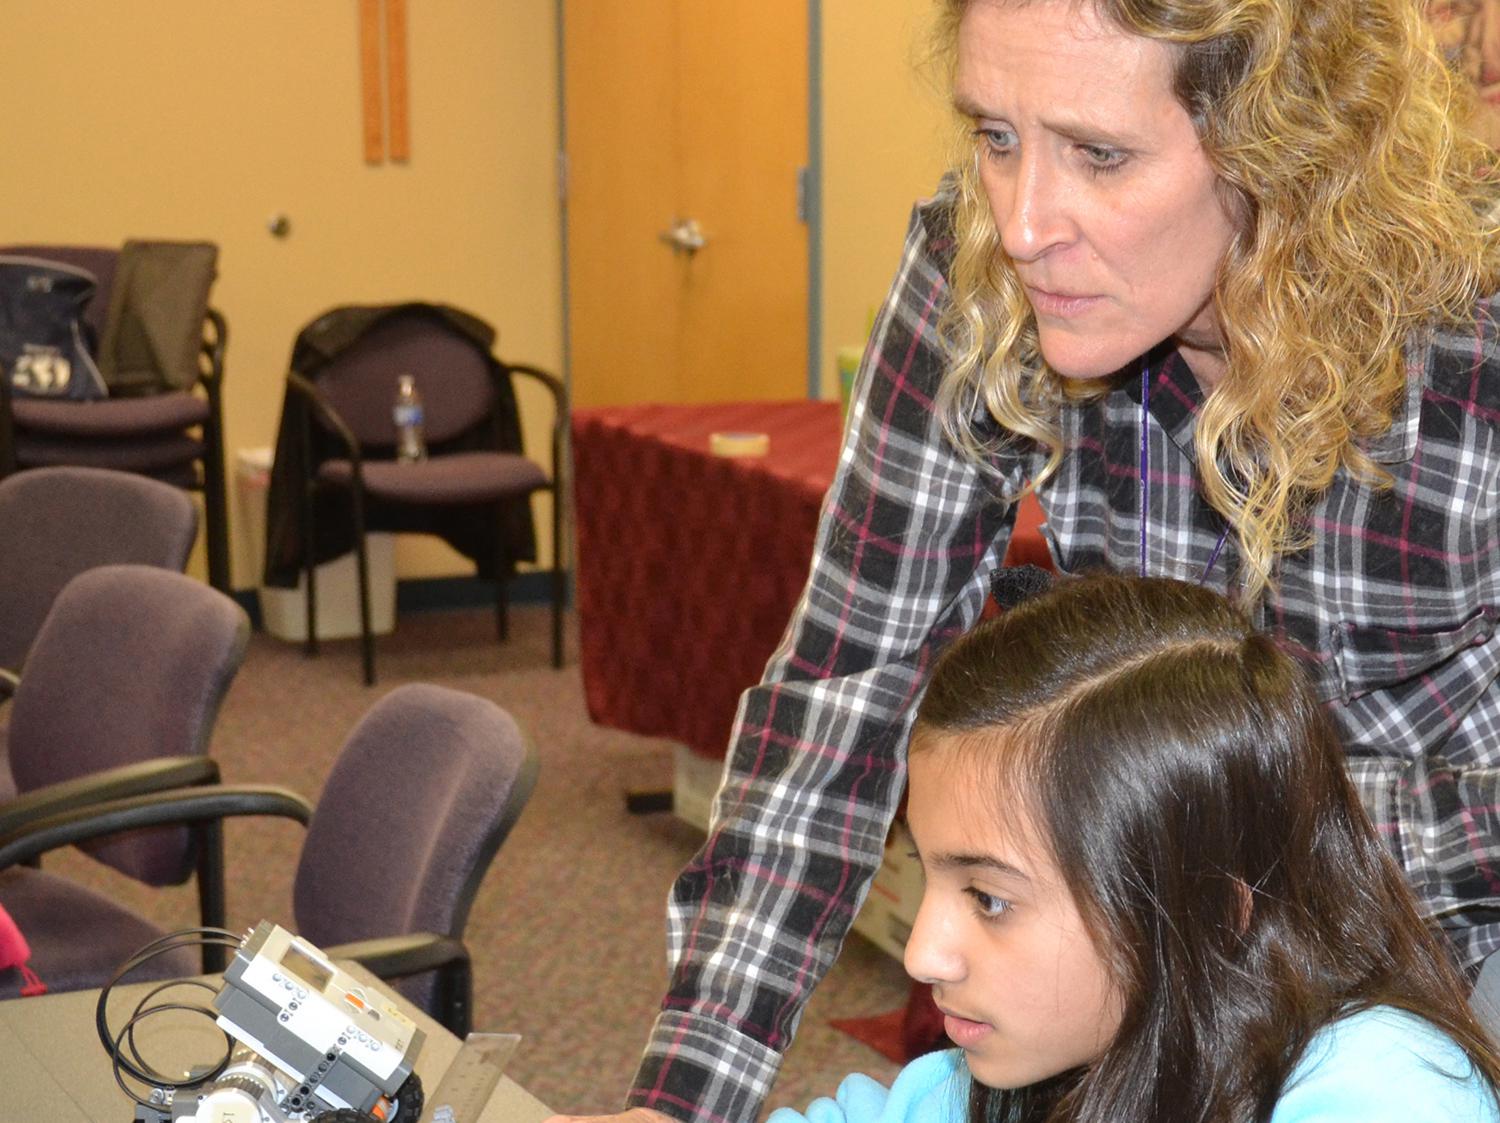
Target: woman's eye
{"type": "Point", "coordinates": [987, 904]}
{"type": "Point", "coordinates": [1102, 158]}
{"type": "Point", "coordinates": [999, 142]}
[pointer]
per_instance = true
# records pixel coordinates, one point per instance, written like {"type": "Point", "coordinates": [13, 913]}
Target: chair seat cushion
{"type": "Point", "coordinates": [111, 417]}
{"type": "Point", "coordinates": [151, 456]}
{"type": "Point", "coordinates": [463, 477]}
{"type": "Point", "coordinates": [78, 937]}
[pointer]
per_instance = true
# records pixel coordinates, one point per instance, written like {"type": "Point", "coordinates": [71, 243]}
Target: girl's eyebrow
{"type": "Point", "coordinates": [988, 862]}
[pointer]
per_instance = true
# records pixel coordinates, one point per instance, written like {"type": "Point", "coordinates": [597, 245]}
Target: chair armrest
{"type": "Point", "coordinates": [395, 957]}
{"type": "Point", "coordinates": [181, 806]}
{"type": "Point", "coordinates": [213, 348]}
{"type": "Point", "coordinates": [559, 394]}
{"type": "Point", "coordinates": [324, 409]}
{"type": "Point", "coordinates": [550, 381]}
{"type": "Point", "coordinates": [140, 778]}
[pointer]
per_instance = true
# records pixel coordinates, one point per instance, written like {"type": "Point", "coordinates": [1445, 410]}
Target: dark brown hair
{"type": "Point", "coordinates": [1179, 766]}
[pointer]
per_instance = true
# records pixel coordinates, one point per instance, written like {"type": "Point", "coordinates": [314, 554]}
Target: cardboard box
{"type": "Point", "coordinates": [890, 910]}
{"type": "Point", "coordinates": [283, 612]}
{"type": "Point", "coordinates": [695, 782]}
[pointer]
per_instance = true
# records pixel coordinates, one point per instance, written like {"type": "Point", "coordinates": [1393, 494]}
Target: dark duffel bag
{"type": "Point", "coordinates": [44, 351]}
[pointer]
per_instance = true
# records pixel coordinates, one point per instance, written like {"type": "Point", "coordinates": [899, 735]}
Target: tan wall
{"type": "Point", "coordinates": [185, 119]}
{"type": "Point", "coordinates": [886, 131]}
{"type": "Point", "coordinates": [180, 119]}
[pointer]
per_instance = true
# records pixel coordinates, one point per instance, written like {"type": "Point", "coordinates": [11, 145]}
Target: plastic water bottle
{"type": "Point", "coordinates": [411, 446]}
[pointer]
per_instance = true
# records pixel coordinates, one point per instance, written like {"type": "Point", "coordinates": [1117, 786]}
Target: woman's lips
{"type": "Point", "coordinates": [964, 1033]}
{"type": "Point", "coordinates": [1059, 304]}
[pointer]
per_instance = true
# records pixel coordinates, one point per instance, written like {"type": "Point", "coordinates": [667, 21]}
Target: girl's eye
{"type": "Point", "coordinates": [986, 904]}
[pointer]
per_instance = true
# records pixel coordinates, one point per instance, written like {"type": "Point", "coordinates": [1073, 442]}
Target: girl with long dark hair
{"type": "Point", "coordinates": [1152, 892]}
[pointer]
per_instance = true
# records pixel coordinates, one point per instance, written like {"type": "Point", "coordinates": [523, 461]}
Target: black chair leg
{"type": "Point", "coordinates": [211, 894]}
{"type": "Point", "coordinates": [366, 636]}
{"type": "Point", "coordinates": [559, 595]}
{"type": "Point", "coordinates": [309, 573]}
{"type": "Point", "coordinates": [559, 584]}
{"type": "Point", "coordinates": [216, 518]}
{"type": "Point", "coordinates": [454, 998]}
{"type": "Point", "coordinates": [502, 576]}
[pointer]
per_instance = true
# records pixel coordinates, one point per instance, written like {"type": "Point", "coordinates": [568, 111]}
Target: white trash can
{"type": "Point", "coordinates": [283, 612]}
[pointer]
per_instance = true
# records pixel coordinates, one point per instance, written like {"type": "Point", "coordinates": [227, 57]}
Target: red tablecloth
{"type": "Point", "coordinates": [690, 564]}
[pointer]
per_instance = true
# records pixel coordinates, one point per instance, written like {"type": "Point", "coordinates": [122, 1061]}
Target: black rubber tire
{"type": "Point", "coordinates": [410, 1099]}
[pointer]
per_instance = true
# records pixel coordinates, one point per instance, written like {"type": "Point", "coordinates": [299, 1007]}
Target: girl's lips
{"type": "Point", "coordinates": [964, 1033]}
{"type": "Point", "coordinates": [1058, 304]}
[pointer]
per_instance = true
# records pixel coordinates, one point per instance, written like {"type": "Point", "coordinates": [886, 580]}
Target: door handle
{"type": "Point", "coordinates": [685, 236]}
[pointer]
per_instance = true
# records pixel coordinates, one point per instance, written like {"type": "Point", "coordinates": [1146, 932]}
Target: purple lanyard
{"type": "Point", "coordinates": [1146, 478]}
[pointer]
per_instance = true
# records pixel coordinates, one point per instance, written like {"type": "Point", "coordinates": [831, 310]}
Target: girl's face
{"type": "Point", "coordinates": [1103, 197]}
{"type": "Point", "coordinates": [1023, 990]}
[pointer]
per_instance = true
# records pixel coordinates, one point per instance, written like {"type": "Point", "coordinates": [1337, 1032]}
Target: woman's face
{"type": "Point", "coordinates": [1022, 987]}
{"type": "Point", "coordinates": [1101, 192]}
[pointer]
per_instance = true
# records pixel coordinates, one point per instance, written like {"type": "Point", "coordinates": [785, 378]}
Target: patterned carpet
{"type": "Point", "coordinates": [567, 930]}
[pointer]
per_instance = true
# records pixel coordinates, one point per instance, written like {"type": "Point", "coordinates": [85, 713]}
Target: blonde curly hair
{"type": "Point", "coordinates": [1363, 208]}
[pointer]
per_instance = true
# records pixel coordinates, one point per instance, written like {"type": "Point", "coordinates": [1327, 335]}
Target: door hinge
{"type": "Point", "coordinates": [562, 176]}
{"type": "Point", "coordinates": [804, 192]}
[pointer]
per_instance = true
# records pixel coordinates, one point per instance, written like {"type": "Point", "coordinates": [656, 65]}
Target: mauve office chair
{"type": "Point", "coordinates": [161, 349]}
{"type": "Point", "coordinates": [423, 792]}
{"type": "Point", "coordinates": [119, 698]}
{"type": "Point", "coordinates": [57, 522]}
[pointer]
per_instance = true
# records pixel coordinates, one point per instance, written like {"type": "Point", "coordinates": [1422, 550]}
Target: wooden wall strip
{"type": "Point", "coordinates": [369, 80]}
{"type": "Point", "coordinates": [396, 79]}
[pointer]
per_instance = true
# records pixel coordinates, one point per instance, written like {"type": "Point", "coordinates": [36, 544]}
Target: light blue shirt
{"type": "Point", "coordinates": [1385, 1066]}
{"type": "Point", "coordinates": [1377, 1066]}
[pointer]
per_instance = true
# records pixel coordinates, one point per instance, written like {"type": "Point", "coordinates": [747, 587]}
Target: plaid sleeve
{"type": "Point", "coordinates": [908, 536]}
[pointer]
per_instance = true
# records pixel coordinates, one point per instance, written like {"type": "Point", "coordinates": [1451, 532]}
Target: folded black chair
{"type": "Point", "coordinates": [160, 348]}
{"type": "Point", "coordinates": [336, 475]}
{"type": "Point", "coordinates": [423, 793]}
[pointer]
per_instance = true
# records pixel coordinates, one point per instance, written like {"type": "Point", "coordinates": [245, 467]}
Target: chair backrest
{"type": "Point", "coordinates": [131, 664]}
{"type": "Point", "coordinates": [452, 375]}
{"type": "Point", "coordinates": [153, 332]}
{"type": "Point", "coordinates": [98, 260]}
{"type": "Point", "coordinates": [423, 792]}
{"type": "Point", "coordinates": [57, 522]}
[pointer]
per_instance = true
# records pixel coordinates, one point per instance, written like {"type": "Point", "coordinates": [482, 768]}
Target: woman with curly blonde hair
{"type": "Point", "coordinates": [1215, 279]}
{"type": "Point", "coordinates": [1358, 216]}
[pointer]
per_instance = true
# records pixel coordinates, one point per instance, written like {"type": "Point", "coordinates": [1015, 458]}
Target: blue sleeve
{"type": "Point", "coordinates": [1385, 1066]}
{"type": "Point", "coordinates": [932, 1089]}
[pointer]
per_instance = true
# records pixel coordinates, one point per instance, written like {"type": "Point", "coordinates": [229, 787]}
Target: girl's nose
{"type": "Point", "coordinates": [933, 954]}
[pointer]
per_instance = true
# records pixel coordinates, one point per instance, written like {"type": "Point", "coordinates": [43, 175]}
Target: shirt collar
{"type": "Point", "coordinates": [1176, 397]}
{"type": "Point", "coordinates": [1399, 443]}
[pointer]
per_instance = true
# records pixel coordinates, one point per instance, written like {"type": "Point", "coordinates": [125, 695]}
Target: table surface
{"type": "Point", "coordinates": [690, 564]}
{"type": "Point", "coordinates": [53, 1067]}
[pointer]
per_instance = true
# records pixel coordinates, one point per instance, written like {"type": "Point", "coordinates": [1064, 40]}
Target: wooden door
{"type": "Point", "coordinates": [682, 110]}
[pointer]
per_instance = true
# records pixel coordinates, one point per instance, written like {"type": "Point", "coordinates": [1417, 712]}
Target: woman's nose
{"type": "Point", "coordinates": [1029, 209]}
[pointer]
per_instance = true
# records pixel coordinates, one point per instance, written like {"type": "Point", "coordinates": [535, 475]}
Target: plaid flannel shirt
{"type": "Point", "coordinates": [1393, 609]}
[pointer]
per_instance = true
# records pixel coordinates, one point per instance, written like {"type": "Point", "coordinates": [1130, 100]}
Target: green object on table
{"type": "Point", "coordinates": [848, 359]}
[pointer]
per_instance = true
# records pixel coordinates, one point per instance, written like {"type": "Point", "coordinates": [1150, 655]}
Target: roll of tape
{"type": "Point", "coordinates": [739, 444]}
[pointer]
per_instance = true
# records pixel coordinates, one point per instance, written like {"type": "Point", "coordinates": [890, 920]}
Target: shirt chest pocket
{"type": "Point", "coordinates": [1364, 658]}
